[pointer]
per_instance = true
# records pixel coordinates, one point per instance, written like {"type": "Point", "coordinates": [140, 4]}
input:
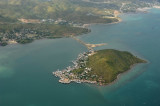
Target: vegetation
{"type": "Point", "coordinates": [3, 43]}
{"type": "Point", "coordinates": [84, 11]}
{"type": "Point", "coordinates": [107, 64]}
{"type": "Point", "coordinates": [120, 5]}
{"type": "Point", "coordinates": [24, 41]}
{"type": "Point", "coordinates": [73, 12]}
{"type": "Point", "coordinates": [42, 16]}
{"type": "Point", "coordinates": [52, 9]}
{"type": "Point", "coordinates": [26, 33]}
{"type": "Point", "coordinates": [6, 19]}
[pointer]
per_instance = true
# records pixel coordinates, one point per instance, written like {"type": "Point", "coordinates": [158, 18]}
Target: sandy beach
{"type": "Point", "coordinates": [158, 7]}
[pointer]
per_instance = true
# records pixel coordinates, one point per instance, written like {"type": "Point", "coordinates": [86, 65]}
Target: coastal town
{"type": "Point", "coordinates": [68, 75]}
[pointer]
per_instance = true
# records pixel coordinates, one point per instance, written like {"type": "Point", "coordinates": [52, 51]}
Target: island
{"type": "Point", "coordinates": [99, 67]}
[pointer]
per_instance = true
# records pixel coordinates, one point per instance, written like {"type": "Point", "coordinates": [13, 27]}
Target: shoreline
{"type": "Point", "coordinates": [116, 14]}
{"type": "Point", "coordinates": [145, 9]}
{"type": "Point", "coordinates": [119, 21]}
{"type": "Point", "coordinates": [156, 6]}
{"type": "Point", "coordinates": [118, 18]}
{"type": "Point", "coordinates": [119, 75]}
{"type": "Point", "coordinates": [66, 76]}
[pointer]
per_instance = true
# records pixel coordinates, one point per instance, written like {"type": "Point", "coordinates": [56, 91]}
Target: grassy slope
{"type": "Point", "coordinates": [107, 64]}
{"type": "Point", "coordinates": [46, 29]}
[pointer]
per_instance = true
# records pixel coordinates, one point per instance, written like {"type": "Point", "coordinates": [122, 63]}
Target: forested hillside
{"type": "Point", "coordinates": [68, 9]}
{"type": "Point", "coordinates": [42, 9]}
{"type": "Point", "coordinates": [59, 16]}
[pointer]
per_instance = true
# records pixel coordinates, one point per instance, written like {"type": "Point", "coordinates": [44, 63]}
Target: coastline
{"type": "Point", "coordinates": [156, 6]}
{"type": "Point", "coordinates": [119, 75]}
{"type": "Point", "coordinates": [118, 18]}
{"type": "Point", "coordinates": [116, 15]}
{"type": "Point", "coordinates": [145, 9]}
{"type": "Point", "coordinates": [119, 21]}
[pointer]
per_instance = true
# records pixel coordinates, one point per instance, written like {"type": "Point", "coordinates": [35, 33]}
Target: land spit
{"type": "Point", "coordinates": [89, 46]}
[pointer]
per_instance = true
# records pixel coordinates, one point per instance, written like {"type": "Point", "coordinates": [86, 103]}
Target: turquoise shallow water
{"type": "Point", "coordinates": [26, 70]}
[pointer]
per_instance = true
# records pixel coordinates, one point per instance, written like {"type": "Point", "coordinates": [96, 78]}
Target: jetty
{"type": "Point", "coordinates": [89, 46]}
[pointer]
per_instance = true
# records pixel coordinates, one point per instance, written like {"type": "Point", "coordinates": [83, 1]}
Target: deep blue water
{"type": "Point", "coordinates": [26, 70]}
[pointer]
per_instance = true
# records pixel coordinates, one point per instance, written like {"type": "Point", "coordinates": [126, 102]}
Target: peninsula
{"type": "Point", "coordinates": [98, 67]}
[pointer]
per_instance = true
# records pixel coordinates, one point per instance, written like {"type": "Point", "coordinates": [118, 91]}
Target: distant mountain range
{"type": "Point", "coordinates": [23, 21]}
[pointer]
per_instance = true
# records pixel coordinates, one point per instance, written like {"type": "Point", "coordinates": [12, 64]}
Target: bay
{"type": "Point", "coordinates": [26, 70]}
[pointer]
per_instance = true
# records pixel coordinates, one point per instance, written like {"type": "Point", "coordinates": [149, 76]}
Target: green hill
{"type": "Point", "coordinates": [106, 65]}
{"type": "Point", "coordinates": [6, 19]}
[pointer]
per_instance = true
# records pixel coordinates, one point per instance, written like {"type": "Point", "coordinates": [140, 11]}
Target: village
{"type": "Point", "coordinates": [58, 21]}
{"type": "Point", "coordinates": [68, 75]}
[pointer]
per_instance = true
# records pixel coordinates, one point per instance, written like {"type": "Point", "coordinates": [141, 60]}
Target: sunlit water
{"type": "Point", "coordinates": [26, 70]}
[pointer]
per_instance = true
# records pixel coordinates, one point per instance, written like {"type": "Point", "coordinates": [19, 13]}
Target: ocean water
{"type": "Point", "coordinates": [26, 70]}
